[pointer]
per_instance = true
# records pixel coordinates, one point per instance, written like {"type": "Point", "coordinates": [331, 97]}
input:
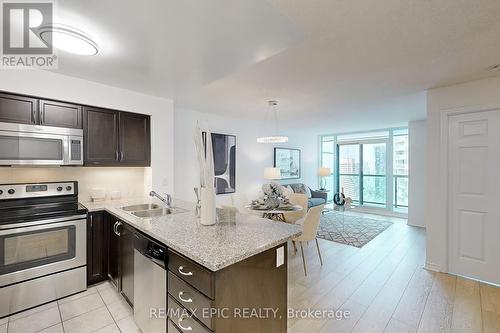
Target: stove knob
{"type": "Point", "coordinates": [59, 188]}
{"type": "Point", "coordinates": [68, 188]}
{"type": "Point", "coordinates": [1, 192]}
{"type": "Point", "coordinates": [11, 191]}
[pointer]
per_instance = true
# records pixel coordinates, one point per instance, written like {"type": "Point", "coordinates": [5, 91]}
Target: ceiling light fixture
{"type": "Point", "coordinates": [276, 138]}
{"type": "Point", "coordinates": [69, 39]}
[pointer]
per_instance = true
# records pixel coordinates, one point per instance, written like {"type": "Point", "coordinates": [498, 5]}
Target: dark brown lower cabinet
{"type": "Point", "coordinates": [254, 283]}
{"type": "Point", "coordinates": [120, 245]}
{"type": "Point", "coordinates": [97, 249]}
{"type": "Point", "coordinates": [113, 243]}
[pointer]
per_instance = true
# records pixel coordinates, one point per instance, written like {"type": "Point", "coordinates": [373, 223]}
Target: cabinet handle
{"type": "Point", "coordinates": [33, 116]}
{"type": "Point", "coordinates": [181, 268]}
{"type": "Point", "coordinates": [185, 300]}
{"type": "Point", "coordinates": [91, 221]}
{"type": "Point", "coordinates": [42, 121]}
{"type": "Point", "coordinates": [189, 328]}
{"type": "Point", "coordinates": [116, 155]}
{"type": "Point", "coordinates": [115, 228]}
{"type": "Point", "coordinates": [118, 224]}
{"type": "Point", "coordinates": [121, 156]}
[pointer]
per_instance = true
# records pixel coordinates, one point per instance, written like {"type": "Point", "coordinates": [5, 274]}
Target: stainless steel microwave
{"type": "Point", "coordinates": [40, 145]}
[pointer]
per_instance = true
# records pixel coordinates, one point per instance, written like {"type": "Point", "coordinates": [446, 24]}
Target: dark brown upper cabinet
{"type": "Point", "coordinates": [100, 132]}
{"type": "Point", "coordinates": [135, 145]}
{"type": "Point", "coordinates": [18, 109]}
{"type": "Point", "coordinates": [114, 138]}
{"type": "Point", "coordinates": [60, 114]}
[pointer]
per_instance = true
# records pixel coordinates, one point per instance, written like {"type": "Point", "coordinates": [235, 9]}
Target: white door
{"type": "Point", "coordinates": [474, 195]}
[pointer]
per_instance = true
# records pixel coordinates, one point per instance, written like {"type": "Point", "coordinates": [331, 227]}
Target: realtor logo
{"type": "Point", "coordinates": [24, 43]}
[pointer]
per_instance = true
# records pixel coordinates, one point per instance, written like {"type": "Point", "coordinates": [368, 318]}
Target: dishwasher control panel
{"type": "Point", "coordinates": [156, 251]}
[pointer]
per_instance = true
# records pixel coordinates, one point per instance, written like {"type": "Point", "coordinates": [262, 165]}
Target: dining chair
{"type": "Point", "coordinates": [310, 224]}
{"type": "Point", "coordinates": [297, 199]}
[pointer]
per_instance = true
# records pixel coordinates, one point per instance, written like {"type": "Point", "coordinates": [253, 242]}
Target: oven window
{"type": "Point", "coordinates": [25, 250]}
{"type": "Point", "coordinates": [26, 148]}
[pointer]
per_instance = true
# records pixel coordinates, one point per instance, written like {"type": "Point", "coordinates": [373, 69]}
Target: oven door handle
{"type": "Point", "coordinates": [18, 230]}
{"type": "Point", "coordinates": [43, 222]}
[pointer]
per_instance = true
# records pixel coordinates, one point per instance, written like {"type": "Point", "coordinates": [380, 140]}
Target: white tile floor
{"type": "Point", "coordinates": [99, 309]}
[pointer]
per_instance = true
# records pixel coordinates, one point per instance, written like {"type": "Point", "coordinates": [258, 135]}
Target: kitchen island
{"type": "Point", "coordinates": [231, 277]}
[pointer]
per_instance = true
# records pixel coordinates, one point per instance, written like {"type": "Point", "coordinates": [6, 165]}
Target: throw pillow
{"type": "Point", "coordinates": [301, 188]}
{"type": "Point", "coordinates": [287, 191]}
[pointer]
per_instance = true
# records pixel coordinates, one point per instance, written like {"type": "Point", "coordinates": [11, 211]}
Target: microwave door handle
{"type": "Point", "coordinates": [66, 151]}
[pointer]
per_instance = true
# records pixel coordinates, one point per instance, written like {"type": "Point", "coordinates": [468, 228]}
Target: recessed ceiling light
{"type": "Point", "coordinates": [69, 39]}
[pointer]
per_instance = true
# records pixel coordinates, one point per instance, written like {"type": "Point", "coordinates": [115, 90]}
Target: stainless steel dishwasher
{"type": "Point", "coordinates": [150, 284]}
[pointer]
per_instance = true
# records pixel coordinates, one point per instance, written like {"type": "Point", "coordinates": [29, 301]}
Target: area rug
{"type": "Point", "coordinates": [350, 230]}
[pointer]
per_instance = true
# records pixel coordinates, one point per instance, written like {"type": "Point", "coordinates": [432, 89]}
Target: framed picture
{"type": "Point", "coordinates": [288, 161]}
{"type": "Point", "coordinates": [224, 149]}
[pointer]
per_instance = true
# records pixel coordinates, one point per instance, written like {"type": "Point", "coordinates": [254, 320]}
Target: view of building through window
{"type": "Point", "coordinates": [360, 165]}
{"type": "Point", "coordinates": [400, 169]}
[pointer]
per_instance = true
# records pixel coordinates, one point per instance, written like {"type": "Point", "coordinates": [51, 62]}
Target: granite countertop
{"type": "Point", "coordinates": [234, 238]}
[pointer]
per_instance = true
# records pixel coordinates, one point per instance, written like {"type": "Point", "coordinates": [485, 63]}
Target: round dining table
{"type": "Point", "coordinates": [275, 214]}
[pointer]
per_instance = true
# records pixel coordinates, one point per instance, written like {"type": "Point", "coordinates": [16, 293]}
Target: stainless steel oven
{"type": "Point", "coordinates": [43, 244]}
{"type": "Point", "coordinates": [41, 248]}
{"type": "Point", "coordinates": [40, 145]}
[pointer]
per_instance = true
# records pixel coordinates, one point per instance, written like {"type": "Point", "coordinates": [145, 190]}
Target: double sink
{"type": "Point", "coordinates": [151, 210]}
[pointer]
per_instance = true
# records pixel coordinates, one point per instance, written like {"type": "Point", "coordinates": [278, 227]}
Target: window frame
{"type": "Point", "coordinates": [391, 182]}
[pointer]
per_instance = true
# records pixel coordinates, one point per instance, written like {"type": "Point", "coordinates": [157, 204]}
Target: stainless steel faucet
{"type": "Point", "coordinates": [167, 201]}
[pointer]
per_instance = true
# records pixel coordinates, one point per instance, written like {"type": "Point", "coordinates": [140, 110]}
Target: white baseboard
{"type": "Point", "coordinates": [432, 267]}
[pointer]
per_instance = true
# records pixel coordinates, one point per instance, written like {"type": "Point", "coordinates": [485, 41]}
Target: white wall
{"type": "Point", "coordinates": [475, 94]}
{"type": "Point", "coordinates": [417, 149]}
{"type": "Point", "coordinates": [56, 86]}
{"type": "Point", "coordinates": [251, 157]}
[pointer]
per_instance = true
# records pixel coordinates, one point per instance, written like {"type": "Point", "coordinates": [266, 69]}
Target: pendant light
{"type": "Point", "coordinates": [276, 138]}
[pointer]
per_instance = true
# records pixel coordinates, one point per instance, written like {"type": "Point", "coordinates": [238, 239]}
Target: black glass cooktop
{"type": "Point", "coordinates": [35, 209]}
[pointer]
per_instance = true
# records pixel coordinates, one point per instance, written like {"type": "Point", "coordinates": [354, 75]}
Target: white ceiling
{"type": "Point", "coordinates": [334, 65]}
{"type": "Point", "coordinates": [169, 47]}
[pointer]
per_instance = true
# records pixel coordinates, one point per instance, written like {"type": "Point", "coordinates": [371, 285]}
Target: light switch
{"type": "Point", "coordinates": [280, 256]}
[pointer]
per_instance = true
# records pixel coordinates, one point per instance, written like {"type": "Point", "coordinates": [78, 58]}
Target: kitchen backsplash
{"type": "Point", "coordinates": [131, 182]}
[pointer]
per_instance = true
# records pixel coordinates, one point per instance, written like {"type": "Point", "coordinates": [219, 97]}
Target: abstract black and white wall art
{"type": "Point", "coordinates": [288, 161]}
{"type": "Point", "coordinates": [224, 148]}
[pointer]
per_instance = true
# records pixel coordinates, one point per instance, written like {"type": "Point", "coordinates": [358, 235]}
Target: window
{"type": "Point", "coordinates": [328, 161]}
{"type": "Point", "coordinates": [400, 169]}
{"type": "Point", "coordinates": [374, 174]}
{"type": "Point", "coordinates": [361, 165]}
{"type": "Point", "coordinates": [349, 170]}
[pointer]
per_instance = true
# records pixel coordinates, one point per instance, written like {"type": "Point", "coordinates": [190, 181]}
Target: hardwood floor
{"type": "Point", "coordinates": [385, 289]}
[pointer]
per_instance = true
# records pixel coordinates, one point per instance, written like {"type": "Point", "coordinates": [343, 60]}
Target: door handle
{"type": "Point", "coordinates": [181, 268]}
